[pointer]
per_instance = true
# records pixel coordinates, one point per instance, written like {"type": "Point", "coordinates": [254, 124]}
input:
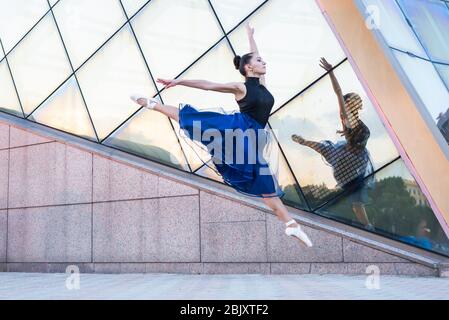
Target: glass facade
{"type": "Point", "coordinates": [417, 33]}
{"type": "Point", "coordinates": [66, 66]}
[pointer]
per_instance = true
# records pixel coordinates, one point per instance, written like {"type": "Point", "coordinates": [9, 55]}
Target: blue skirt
{"type": "Point", "coordinates": [242, 163]}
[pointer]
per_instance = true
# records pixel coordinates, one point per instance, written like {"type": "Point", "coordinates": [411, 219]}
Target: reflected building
{"type": "Point", "coordinates": [414, 190]}
{"type": "Point", "coordinates": [64, 66]}
{"type": "Point", "coordinates": [443, 124]}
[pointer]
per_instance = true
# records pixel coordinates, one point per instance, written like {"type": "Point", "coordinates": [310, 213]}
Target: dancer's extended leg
{"type": "Point", "coordinates": [294, 229]}
{"type": "Point", "coordinates": [275, 204]}
{"type": "Point", "coordinates": [169, 111]}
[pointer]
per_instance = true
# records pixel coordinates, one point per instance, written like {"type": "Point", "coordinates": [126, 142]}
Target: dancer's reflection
{"type": "Point", "coordinates": [348, 158]}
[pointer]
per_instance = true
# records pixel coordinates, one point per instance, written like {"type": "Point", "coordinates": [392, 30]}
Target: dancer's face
{"type": "Point", "coordinates": [256, 66]}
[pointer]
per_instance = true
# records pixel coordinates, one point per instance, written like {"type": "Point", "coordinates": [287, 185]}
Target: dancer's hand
{"type": "Point", "coordinates": [325, 65]}
{"type": "Point", "coordinates": [249, 30]}
{"type": "Point", "coordinates": [168, 83]}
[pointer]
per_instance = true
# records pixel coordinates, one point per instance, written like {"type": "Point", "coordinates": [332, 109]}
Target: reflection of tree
{"type": "Point", "coordinates": [147, 151]}
{"type": "Point", "coordinates": [317, 194]}
{"type": "Point", "coordinates": [391, 199]}
{"type": "Point", "coordinates": [393, 210]}
{"type": "Point", "coordinates": [292, 194]}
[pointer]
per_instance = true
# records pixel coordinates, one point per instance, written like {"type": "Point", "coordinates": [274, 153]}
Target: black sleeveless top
{"type": "Point", "coordinates": [257, 102]}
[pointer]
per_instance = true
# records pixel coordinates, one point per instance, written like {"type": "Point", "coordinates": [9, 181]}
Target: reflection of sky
{"type": "Point", "coordinates": [151, 128]}
{"type": "Point", "coordinates": [396, 169]}
{"type": "Point", "coordinates": [432, 29]}
{"type": "Point", "coordinates": [65, 110]}
{"type": "Point", "coordinates": [110, 77]}
{"type": "Point", "coordinates": [173, 33]}
{"type": "Point", "coordinates": [8, 97]}
{"type": "Point", "coordinates": [291, 37]}
{"type": "Point", "coordinates": [17, 17]}
{"type": "Point", "coordinates": [315, 116]}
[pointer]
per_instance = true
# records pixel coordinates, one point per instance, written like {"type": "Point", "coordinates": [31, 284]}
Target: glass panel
{"type": "Point", "coordinates": [430, 20]}
{"type": "Point", "coordinates": [150, 135]}
{"type": "Point", "coordinates": [84, 27]}
{"type": "Point", "coordinates": [219, 59]}
{"type": "Point", "coordinates": [131, 6]}
{"type": "Point", "coordinates": [231, 12]}
{"type": "Point", "coordinates": [170, 45]}
{"type": "Point", "coordinates": [39, 64]}
{"type": "Point", "coordinates": [53, 2]}
{"type": "Point", "coordinates": [426, 82]}
{"type": "Point", "coordinates": [209, 171]}
{"type": "Point", "coordinates": [289, 186]}
{"type": "Point", "coordinates": [392, 204]}
{"type": "Point", "coordinates": [395, 29]}
{"type": "Point", "coordinates": [291, 45]}
{"type": "Point", "coordinates": [110, 77]}
{"type": "Point", "coordinates": [65, 110]}
{"type": "Point", "coordinates": [8, 96]}
{"type": "Point", "coordinates": [326, 160]}
{"type": "Point", "coordinates": [17, 17]}
{"type": "Point", "coordinates": [444, 73]}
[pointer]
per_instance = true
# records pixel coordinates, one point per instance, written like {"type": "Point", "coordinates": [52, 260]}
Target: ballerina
{"type": "Point", "coordinates": [348, 158]}
{"type": "Point", "coordinates": [255, 103]}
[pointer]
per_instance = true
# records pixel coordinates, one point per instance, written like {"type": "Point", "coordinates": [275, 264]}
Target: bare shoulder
{"type": "Point", "coordinates": [241, 90]}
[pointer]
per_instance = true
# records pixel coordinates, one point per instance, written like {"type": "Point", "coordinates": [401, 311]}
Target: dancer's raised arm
{"type": "Point", "coordinates": [253, 47]}
{"type": "Point", "coordinates": [345, 121]}
{"type": "Point", "coordinates": [236, 88]}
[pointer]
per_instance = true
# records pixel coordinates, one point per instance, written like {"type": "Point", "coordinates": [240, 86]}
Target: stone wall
{"type": "Point", "coordinates": [60, 206]}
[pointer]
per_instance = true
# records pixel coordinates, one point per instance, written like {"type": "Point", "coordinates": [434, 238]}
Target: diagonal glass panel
{"type": "Point", "coordinates": [107, 80]}
{"type": "Point", "coordinates": [209, 171]}
{"type": "Point", "coordinates": [444, 73]}
{"type": "Point", "coordinates": [426, 82]}
{"type": "Point", "coordinates": [39, 64]}
{"type": "Point", "coordinates": [291, 45]}
{"type": "Point", "coordinates": [219, 59]}
{"type": "Point", "coordinates": [289, 186]}
{"type": "Point", "coordinates": [53, 2]}
{"type": "Point", "coordinates": [85, 25]}
{"type": "Point", "coordinates": [391, 203]}
{"type": "Point", "coordinates": [65, 110]}
{"type": "Point", "coordinates": [131, 6]}
{"type": "Point", "coordinates": [150, 135]}
{"type": "Point", "coordinates": [326, 161]}
{"type": "Point", "coordinates": [173, 33]}
{"type": "Point", "coordinates": [231, 12]}
{"type": "Point", "coordinates": [17, 17]}
{"type": "Point", "coordinates": [388, 18]}
{"type": "Point", "coordinates": [430, 20]}
{"type": "Point", "coordinates": [8, 96]}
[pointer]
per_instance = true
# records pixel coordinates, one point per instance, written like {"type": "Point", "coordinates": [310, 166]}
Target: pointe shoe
{"type": "Point", "coordinates": [150, 103]}
{"type": "Point", "coordinates": [298, 233]}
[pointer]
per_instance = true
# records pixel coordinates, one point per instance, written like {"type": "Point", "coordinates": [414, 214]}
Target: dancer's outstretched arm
{"type": "Point", "coordinates": [237, 88]}
{"type": "Point", "coordinates": [253, 47]}
{"type": "Point", "coordinates": [345, 122]}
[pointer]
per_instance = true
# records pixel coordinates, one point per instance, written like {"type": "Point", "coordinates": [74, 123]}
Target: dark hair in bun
{"type": "Point", "coordinates": [240, 62]}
